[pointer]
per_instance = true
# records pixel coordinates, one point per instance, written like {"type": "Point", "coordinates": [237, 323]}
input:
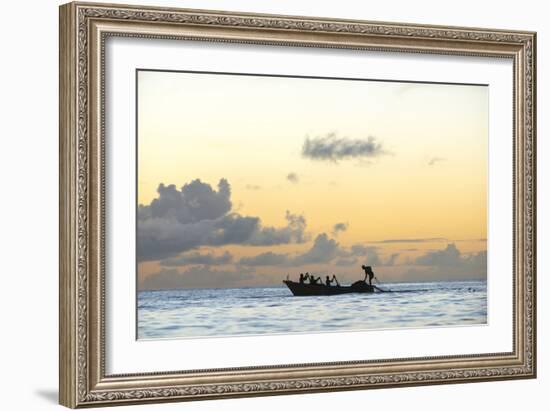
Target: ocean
{"type": "Point", "coordinates": [185, 313]}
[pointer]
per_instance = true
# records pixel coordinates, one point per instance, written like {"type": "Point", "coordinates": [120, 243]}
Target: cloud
{"type": "Point", "coordinates": [360, 250]}
{"type": "Point", "coordinates": [410, 240]}
{"type": "Point", "coordinates": [253, 187]}
{"type": "Point", "coordinates": [160, 238]}
{"type": "Point", "coordinates": [451, 256]}
{"type": "Point", "coordinates": [264, 259]}
{"type": "Point", "coordinates": [392, 259]}
{"type": "Point", "coordinates": [448, 256]}
{"type": "Point", "coordinates": [293, 232]}
{"type": "Point", "coordinates": [339, 228]}
{"type": "Point", "coordinates": [333, 148]}
{"type": "Point", "coordinates": [234, 229]}
{"type": "Point", "coordinates": [293, 178]}
{"type": "Point", "coordinates": [195, 202]}
{"type": "Point", "coordinates": [324, 249]}
{"type": "Point", "coordinates": [197, 215]}
{"type": "Point", "coordinates": [451, 263]}
{"type": "Point", "coordinates": [367, 255]}
{"type": "Point", "coordinates": [198, 258]}
{"type": "Point", "coordinates": [346, 262]}
{"type": "Point", "coordinates": [434, 160]}
{"type": "Point", "coordinates": [196, 277]}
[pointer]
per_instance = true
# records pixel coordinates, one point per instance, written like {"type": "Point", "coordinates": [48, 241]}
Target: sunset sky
{"type": "Point", "coordinates": [245, 179]}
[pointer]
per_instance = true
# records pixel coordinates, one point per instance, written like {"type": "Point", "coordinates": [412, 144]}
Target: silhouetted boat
{"type": "Point", "coordinates": [303, 289]}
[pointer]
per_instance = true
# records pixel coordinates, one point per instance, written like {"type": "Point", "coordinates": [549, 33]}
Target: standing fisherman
{"type": "Point", "coordinates": [368, 273]}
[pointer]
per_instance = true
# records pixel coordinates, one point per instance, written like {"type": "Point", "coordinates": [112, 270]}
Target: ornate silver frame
{"type": "Point", "coordinates": [83, 30]}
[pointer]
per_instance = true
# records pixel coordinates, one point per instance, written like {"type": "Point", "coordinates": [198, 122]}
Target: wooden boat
{"type": "Point", "coordinates": [304, 289]}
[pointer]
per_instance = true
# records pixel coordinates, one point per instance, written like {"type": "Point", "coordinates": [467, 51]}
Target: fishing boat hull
{"type": "Point", "coordinates": [299, 289]}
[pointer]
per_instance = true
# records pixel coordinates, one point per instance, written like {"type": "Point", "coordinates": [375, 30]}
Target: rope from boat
{"type": "Point", "coordinates": [378, 288]}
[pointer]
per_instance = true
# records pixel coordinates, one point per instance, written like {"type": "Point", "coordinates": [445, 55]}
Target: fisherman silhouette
{"type": "Point", "coordinates": [302, 278]}
{"type": "Point", "coordinates": [313, 280]}
{"type": "Point", "coordinates": [368, 273]}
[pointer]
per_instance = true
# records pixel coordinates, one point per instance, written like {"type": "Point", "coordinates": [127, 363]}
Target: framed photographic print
{"type": "Point", "coordinates": [259, 204]}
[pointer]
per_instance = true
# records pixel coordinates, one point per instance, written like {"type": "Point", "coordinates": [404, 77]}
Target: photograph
{"type": "Point", "coordinates": [265, 202]}
{"type": "Point", "coordinates": [283, 204]}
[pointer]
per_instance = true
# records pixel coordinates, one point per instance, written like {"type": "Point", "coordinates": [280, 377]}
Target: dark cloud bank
{"type": "Point", "coordinates": [452, 257]}
{"type": "Point", "coordinates": [178, 222]}
{"type": "Point", "coordinates": [324, 250]}
{"type": "Point", "coordinates": [199, 271]}
{"type": "Point", "coordinates": [444, 264]}
{"type": "Point", "coordinates": [447, 264]}
{"type": "Point", "coordinates": [198, 215]}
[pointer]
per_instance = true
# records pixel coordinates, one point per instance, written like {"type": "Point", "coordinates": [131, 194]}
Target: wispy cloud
{"type": "Point", "coordinates": [293, 178]}
{"type": "Point", "coordinates": [339, 228]}
{"type": "Point", "coordinates": [333, 148]}
{"type": "Point", "coordinates": [410, 240]}
{"type": "Point", "coordinates": [196, 277]}
{"type": "Point", "coordinates": [345, 262]}
{"type": "Point", "coordinates": [264, 259]}
{"type": "Point", "coordinates": [368, 255]}
{"type": "Point", "coordinates": [198, 258]}
{"type": "Point", "coordinates": [435, 160]}
{"type": "Point", "coordinates": [253, 187]}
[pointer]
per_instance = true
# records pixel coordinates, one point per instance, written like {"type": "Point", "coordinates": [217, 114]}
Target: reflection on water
{"type": "Point", "coordinates": [274, 310]}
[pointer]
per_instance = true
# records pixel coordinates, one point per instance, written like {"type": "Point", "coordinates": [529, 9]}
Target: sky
{"type": "Point", "coordinates": [243, 180]}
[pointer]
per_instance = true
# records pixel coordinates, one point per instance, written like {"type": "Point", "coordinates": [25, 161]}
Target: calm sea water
{"type": "Point", "coordinates": [270, 310]}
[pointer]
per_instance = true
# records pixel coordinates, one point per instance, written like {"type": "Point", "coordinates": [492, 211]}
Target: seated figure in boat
{"type": "Point", "coordinates": [313, 280]}
{"type": "Point", "coordinates": [368, 273]}
{"type": "Point", "coordinates": [303, 278]}
{"type": "Point", "coordinates": [328, 281]}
